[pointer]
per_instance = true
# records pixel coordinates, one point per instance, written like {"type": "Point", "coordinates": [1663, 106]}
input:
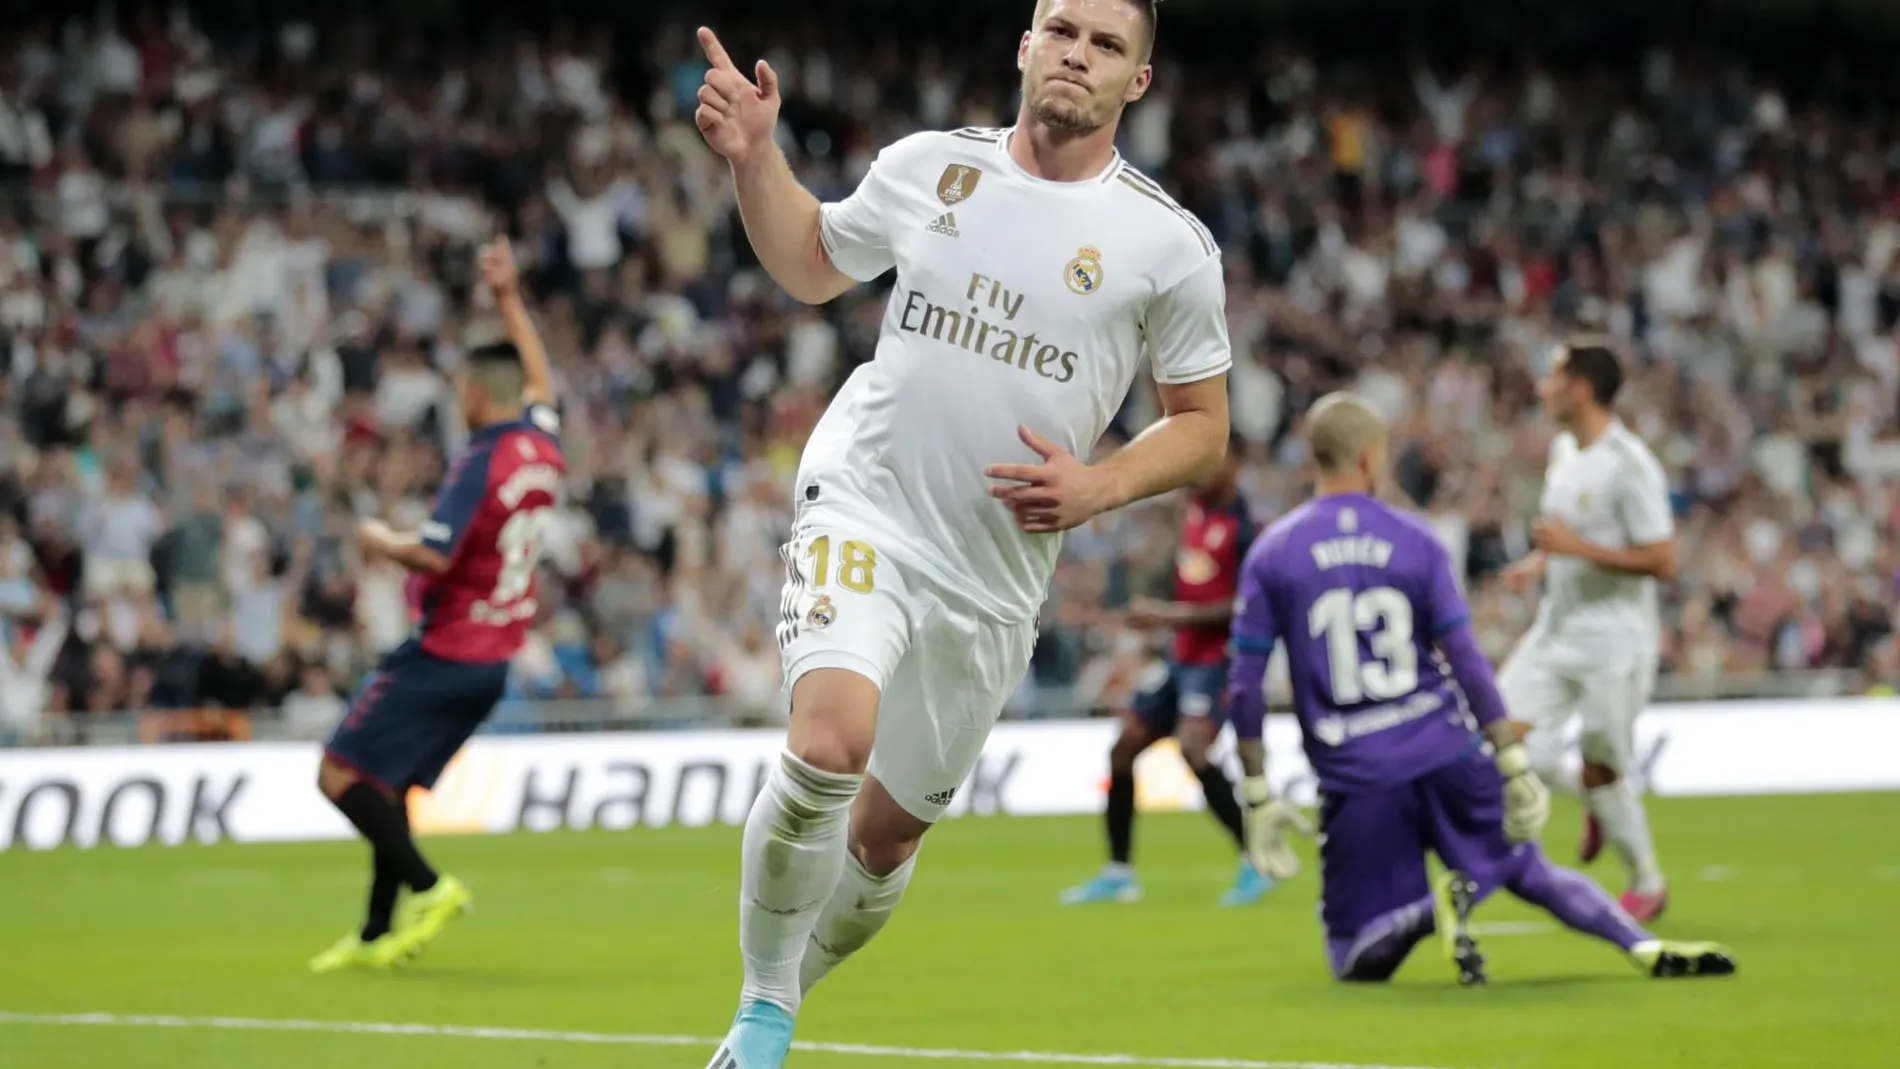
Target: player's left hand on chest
{"type": "Point", "coordinates": [1060, 493]}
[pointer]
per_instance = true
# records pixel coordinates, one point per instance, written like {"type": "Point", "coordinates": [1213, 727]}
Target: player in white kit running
{"type": "Point", "coordinates": [1036, 273]}
{"type": "Point", "coordinates": [1605, 536]}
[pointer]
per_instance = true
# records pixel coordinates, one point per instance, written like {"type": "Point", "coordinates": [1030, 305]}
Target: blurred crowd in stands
{"type": "Point", "coordinates": [236, 267]}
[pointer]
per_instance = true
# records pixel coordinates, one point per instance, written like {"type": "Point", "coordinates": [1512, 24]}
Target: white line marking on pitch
{"type": "Point", "coordinates": [249, 1024]}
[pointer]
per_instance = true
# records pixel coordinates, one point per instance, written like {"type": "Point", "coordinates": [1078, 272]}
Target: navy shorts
{"type": "Point", "coordinates": [1185, 690]}
{"type": "Point", "coordinates": [413, 715]}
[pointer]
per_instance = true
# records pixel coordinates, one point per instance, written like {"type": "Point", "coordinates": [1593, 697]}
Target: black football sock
{"type": "Point", "coordinates": [1222, 803]}
{"type": "Point", "coordinates": [384, 889]}
{"type": "Point", "coordinates": [384, 886]}
{"type": "Point", "coordinates": [1121, 817]}
{"type": "Point", "coordinates": [386, 827]}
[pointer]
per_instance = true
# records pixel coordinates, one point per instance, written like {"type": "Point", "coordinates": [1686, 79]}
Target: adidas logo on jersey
{"type": "Point", "coordinates": [941, 797]}
{"type": "Point", "coordinates": [946, 225]}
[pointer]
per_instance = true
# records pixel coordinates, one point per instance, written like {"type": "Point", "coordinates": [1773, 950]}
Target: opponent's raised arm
{"type": "Point", "coordinates": [737, 116]}
{"type": "Point", "coordinates": [504, 280]}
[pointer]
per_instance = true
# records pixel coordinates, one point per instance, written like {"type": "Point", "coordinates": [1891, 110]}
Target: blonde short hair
{"type": "Point", "coordinates": [1340, 428]}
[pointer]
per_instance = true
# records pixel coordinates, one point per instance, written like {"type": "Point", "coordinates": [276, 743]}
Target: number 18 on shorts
{"type": "Point", "coordinates": [943, 671]}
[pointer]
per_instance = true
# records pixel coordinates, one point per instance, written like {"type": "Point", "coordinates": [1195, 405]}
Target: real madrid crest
{"type": "Point", "coordinates": [822, 613]}
{"type": "Point", "coordinates": [958, 184]}
{"type": "Point", "coordinates": [1084, 273]}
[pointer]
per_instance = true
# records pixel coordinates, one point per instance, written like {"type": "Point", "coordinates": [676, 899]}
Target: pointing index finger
{"type": "Point", "coordinates": [715, 52]}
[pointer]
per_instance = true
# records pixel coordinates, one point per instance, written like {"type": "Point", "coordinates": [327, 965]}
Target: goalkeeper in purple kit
{"type": "Point", "coordinates": [1403, 725]}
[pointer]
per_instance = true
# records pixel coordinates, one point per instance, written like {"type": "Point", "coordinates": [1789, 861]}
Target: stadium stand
{"type": "Point", "coordinates": [236, 265]}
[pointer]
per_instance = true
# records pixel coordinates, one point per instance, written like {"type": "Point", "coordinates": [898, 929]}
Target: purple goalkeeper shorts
{"type": "Point", "coordinates": [1372, 853]}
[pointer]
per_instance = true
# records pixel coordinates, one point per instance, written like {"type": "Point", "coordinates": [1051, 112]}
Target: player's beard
{"type": "Point", "coordinates": [1069, 116]}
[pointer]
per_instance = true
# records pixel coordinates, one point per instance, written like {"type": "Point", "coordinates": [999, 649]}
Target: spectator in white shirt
{"type": "Point", "coordinates": [25, 145]}
{"type": "Point", "coordinates": [18, 592]}
{"type": "Point", "coordinates": [407, 387]}
{"type": "Point", "coordinates": [26, 663]}
{"type": "Point", "coordinates": [257, 615]}
{"type": "Point", "coordinates": [313, 709]}
{"type": "Point", "coordinates": [81, 196]}
{"type": "Point", "coordinates": [306, 419]}
{"type": "Point", "coordinates": [382, 608]}
{"type": "Point", "coordinates": [592, 221]}
{"type": "Point", "coordinates": [117, 534]}
{"type": "Point", "coordinates": [247, 542]}
{"type": "Point", "coordinates": [749, 671]}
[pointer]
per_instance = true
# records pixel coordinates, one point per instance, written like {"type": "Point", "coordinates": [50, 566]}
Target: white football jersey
{"type": "Point", "coordinates": [1018, 301]}
{"type": "Point", "coordinates": [1614, 494]}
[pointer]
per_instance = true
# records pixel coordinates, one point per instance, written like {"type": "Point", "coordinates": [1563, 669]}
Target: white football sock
{"type": "Point", "coordinates": [856, 912]}
{"type": "Point", "coordinates": [794, 851]}
{"type": "Point", "coordinates": [1626, 826]}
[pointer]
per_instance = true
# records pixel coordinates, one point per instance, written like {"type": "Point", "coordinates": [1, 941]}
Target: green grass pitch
{"type": "Point", "coordinates": [618, 940]}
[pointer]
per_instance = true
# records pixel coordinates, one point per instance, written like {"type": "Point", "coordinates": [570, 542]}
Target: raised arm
{"type": "Point", "coordinates": [782, 220]}
{"type": "Point", "coordinates": [738, 117]}
{"type": "Point", "coordinates": [504, 281]}
{"type": "Point", "coordinates": [48, 640]}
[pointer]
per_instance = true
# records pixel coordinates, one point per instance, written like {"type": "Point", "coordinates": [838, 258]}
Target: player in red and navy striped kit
{"type": "Point", "coordinates": [1184, 697]}
{"type": "Point", "coordinates": [473, 565]}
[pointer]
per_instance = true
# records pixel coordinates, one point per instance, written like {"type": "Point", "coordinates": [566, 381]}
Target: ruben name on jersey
{"type": "Point", "coordinates": [1018, 302]}
{"type": "Point", "coordinates": [1363, 596]}
{"type": "Point", "coordinates": [1612, 493]}
{"type": "Point", "coordinates": [489, 519]}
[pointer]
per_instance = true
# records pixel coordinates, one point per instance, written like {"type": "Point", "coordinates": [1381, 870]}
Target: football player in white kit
{"type": "Point", "coordinates": [1036, 272]}
{"type": "Point", "coordinates": [1605, 536]}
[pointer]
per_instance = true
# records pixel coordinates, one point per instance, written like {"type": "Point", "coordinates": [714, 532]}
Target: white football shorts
{"type": "Point", "coordinates": [1551, 692]}
{"type": "Point", "coordinates": [852, 601]}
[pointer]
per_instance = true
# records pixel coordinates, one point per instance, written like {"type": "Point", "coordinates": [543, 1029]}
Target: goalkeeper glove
{"type": "Point", "coordinates": [1268, 820]}
{"type": "Point", "coordinates": [1526, 799]}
